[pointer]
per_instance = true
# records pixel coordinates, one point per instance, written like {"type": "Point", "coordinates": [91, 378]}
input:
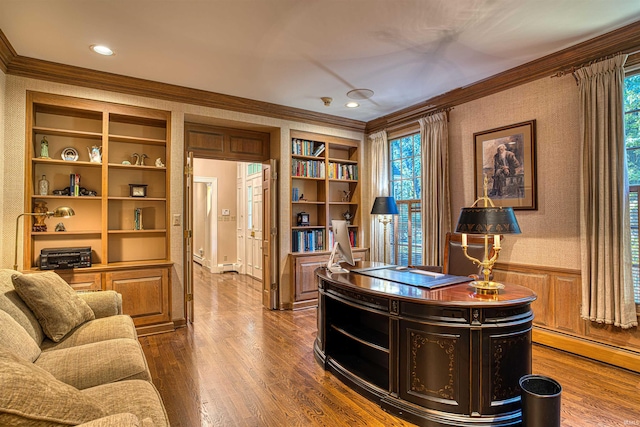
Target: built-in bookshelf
{"type": "Point", "coordinates": [108, 162]}
{"type": "Point", "coordinates": [324, 186]}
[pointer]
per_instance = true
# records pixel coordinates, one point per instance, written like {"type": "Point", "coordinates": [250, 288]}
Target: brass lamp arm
{"type": "Point", "coordinates": [487, 264]}
{"type": "Point", "coordinates": [45, 214]}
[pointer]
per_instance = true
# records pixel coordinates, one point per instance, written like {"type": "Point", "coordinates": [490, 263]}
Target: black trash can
{"type": "Point", "coordinates": [540, 401]}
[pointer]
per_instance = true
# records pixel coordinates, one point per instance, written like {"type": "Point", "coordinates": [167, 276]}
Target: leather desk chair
{"type": "Point", "coordinates": [455, 262]}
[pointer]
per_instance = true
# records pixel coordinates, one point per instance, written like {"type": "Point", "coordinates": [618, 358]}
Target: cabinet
{"type": "Point", "coordinates": [106, 151]}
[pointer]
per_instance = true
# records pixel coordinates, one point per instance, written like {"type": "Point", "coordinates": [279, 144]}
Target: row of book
{"type": "Point", "coordinates": [74, 184]}
{"type": "Point", "coordinates": [307, 240]}
{"type": "Point", "coordinates": [313, 240]}
{"type": "Point", "coordinates": [302, 147]}
{"type": "Point", "coordinates": [353, 238]}
{"type": "Point", "coordinates": [341, 171]}
{"type": "Point", "coordinates": [308, 168]}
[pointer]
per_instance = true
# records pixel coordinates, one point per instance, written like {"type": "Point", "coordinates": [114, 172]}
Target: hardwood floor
{"type": "Point", "coordinates": [242, 365]}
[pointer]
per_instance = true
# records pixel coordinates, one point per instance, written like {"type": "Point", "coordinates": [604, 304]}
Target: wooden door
{"type": "Point", "coordinates": [188, 237]}
{"type": "Point", "coordinates": [269, 236]}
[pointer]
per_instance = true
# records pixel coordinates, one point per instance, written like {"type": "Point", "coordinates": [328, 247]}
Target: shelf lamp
{"type": "Point", "coordinates": [384, 207]}
{"type": "Point", "coordinates": [59, 212]}
{"type": "Point", "coordinates": [490, 221]}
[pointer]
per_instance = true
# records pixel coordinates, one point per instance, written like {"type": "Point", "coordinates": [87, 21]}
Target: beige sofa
{"type": "Point", "coordinates": [70, 358]}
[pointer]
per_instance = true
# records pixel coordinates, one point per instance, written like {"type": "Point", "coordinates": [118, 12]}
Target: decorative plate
{"type": "Point", "coordinates": [70, 154]}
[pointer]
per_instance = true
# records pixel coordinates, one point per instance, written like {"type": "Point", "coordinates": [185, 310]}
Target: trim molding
{"type": "Point", "coordinates": [7, 53]}
{"type": "Point", "coordinates": [593, 350]}
{"type": "Point", "coordinates": [625, 39]}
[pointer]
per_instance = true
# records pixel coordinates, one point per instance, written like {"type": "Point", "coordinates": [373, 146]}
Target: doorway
{"type": "Point", "coordinates": [205, 224]}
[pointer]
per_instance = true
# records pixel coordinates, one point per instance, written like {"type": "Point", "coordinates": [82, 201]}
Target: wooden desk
{"type": "Point", "coordinates": [445, 357]}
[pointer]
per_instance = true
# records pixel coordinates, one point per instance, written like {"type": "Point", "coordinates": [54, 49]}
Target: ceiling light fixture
{"type": "Point", "coordinates": [102, 50]}
{"type": "Point", "coordinates": [352, 104]}
{"type": "Point", "coordinates": [360, 93]}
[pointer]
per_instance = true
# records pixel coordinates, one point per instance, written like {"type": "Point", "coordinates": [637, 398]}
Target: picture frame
{"type": "Point", "coordinates": [138, 190]}
{"type": "Point", "coordinates": [506, 157]}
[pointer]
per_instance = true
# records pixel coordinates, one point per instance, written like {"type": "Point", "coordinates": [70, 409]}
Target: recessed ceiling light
{"type": "Point", "coordinates": [102, 50]}
{"type": "Point", "coordinates": [352, 104]}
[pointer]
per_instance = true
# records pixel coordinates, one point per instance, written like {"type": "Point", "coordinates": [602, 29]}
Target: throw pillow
{"type": "Point", "coordinates": [16, 340]}
{"type": "Point", "coordinates": [32, 396]}
{"type": "Point", "coordinates": [55, 304]}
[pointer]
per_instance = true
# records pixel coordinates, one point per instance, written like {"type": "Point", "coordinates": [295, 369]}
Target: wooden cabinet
{"type": "Point", "coordinates": [303, 272]}
{"type": "Point", "coordinates": [108, 162]}
{"type": "Point", "coordinates": [446, 357]}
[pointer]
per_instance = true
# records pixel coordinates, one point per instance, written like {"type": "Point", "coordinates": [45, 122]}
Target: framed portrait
{"type": "Point", "coordinates": [505, 158]}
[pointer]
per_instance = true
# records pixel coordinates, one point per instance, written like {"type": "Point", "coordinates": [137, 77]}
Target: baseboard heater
{"type": "Point", "coordinates": [229, 268]}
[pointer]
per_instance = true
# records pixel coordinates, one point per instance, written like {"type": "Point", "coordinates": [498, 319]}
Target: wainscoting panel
{"type": "Point", "coordinates": [557, 321]}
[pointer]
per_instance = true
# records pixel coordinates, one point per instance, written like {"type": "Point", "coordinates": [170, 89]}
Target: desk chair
{"type": "Point", "coordinates": [455, 262]}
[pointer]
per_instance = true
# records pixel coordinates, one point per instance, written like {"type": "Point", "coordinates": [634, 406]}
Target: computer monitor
{"type": "Point", "coordinates": [341, 248]}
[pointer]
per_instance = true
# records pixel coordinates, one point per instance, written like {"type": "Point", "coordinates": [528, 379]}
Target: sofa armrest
{"type": "Point", "coordinates": [103, 303]}
{"type": "Point", "coordinates": [119, 420]}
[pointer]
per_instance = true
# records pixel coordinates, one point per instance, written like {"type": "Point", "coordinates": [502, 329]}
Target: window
{"type": "Point", "coordinates": [632, 141]}
{"type": "Point", "coordinates": [406, 188]}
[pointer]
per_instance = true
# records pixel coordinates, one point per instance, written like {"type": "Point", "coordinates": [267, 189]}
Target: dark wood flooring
{"type": "Point", "coordinates": [242, 365]}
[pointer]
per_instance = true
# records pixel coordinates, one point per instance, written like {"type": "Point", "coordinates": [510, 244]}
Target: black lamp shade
{"type": "Point", "coordinates": [487, 220]}
{"type": "Point", "coordinates": [384, 206]}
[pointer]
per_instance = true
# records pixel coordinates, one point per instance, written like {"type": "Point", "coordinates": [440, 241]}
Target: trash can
{"type": "Point", "coordinates": [540, 401]}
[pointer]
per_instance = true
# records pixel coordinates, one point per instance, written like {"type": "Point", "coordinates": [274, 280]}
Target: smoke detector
{"type": "Point", "coordinates": [326, 100]}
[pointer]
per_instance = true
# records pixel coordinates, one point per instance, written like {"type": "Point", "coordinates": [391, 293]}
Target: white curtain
{"type": "Point", "coordinates": [607, 288]}
{"type": "Point", "coordinates": [436, 212]}
{"type": "Point", "coordinates": [379, 187]}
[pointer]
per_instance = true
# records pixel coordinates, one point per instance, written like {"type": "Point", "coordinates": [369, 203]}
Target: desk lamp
{"type": "Point", "coordinates": [59, 212]}
{"type": "Point", "coordinates": [384, 207]}
{"type": "Point", "coordinates": [488, 220]}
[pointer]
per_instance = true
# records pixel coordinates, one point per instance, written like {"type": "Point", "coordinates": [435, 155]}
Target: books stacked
{"type": "Point", "coordinates": [295, 195]}
{"type": "Point", "coordinates": [74, 185]}
{"type": "Point", "coordinates": [307, 240]}
{"type": "Point", "coordinates": [343, 171]}
{"type": "Point", "coordinates": [302, 147]}
{"type": "Point", "coordinates": [353, 238]}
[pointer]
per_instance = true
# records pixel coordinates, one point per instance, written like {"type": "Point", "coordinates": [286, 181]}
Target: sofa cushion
{"type": "Point", "coordinates": [103, 303]}
{"type": "Point", "coordinates": [138, 397]}
{"type": "Point", "coordinates": [30, 396]}
{"type": "Point", "coordinates": [117, 420]}
{"type": "Point", "coordinates": [56, 305]}
{"type": "Point", "coordinates": [96, 330]}
{"type": "Point", "coordinates": [15, 339]}
{"type": "Point", "coordinates": [11, 303]}
{"type": "Point", "coordinates": [97, 363]}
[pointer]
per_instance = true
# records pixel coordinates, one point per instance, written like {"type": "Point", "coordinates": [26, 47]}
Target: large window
{"type": "Point", "coordinates": [406, 170]}
{"type": "Point", "coordinates": [632, 140]}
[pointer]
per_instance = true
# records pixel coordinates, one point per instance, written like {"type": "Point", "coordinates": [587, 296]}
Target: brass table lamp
{"type": "Point", "coordinates": [384, 207]}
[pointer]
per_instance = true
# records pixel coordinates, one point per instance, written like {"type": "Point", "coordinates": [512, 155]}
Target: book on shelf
{"type": "Point", "coordinates": [74, 185]}
{"type": "Point", "coordinates": [307, 240]}
{"type": "Point", "coordinates": [318, 150]}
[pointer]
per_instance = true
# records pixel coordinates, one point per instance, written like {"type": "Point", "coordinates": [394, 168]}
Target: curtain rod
{"type": "Point", "coordinates": [571, 70]}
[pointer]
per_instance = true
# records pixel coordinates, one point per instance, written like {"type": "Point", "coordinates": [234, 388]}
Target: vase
{"type": "Point", "coordinates": [43, 186]}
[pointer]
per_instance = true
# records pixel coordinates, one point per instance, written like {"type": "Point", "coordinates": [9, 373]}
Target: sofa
{"type": "Point", "coordinates": [70, 358]}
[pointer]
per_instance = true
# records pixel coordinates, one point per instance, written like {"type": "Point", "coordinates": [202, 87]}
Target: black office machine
{"type": "Point", "coordinates": [64, 258]}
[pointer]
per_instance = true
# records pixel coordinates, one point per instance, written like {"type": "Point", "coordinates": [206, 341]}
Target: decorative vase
{"type": "Point", "coordinates": [43, 186]}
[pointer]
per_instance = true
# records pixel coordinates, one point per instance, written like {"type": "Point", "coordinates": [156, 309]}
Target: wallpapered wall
{"type": "Point", "coordinates": [551, 235]}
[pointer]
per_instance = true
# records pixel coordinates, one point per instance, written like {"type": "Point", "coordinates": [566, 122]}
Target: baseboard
{"type": "Point", "coordinates": [593, 350]}
{"type": "Point", "coordinates": [180, 323]}
{"type": "Point", "coordinates": [155, 329]}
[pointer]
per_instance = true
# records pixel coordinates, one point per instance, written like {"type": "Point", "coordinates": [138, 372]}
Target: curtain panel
{"type": "Point", "coordinates": [436, 211]}
{"type": "Point", "coordinates": [607, 288]}
{"type": "Point", "coordinates": [379, 187]}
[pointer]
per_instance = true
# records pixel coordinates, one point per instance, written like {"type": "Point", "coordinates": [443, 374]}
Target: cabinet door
{"type": "Point", "coordinates": [305, 278]}
{"type": "Point", "coordinates": [90, 281]}
{"type": "Point", "coordinates": [145, 294]}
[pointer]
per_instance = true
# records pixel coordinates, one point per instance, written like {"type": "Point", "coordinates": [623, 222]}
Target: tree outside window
{"type": "Point", "coordinates": [406, 188]}
{"type": "Point", "coordinates": [632, 141]}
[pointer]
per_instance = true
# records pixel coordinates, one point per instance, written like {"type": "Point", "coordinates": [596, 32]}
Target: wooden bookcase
{"type": "Point", "coordinates": [325, 184]}
{"type": "Point", "coordinates": [133, 252]}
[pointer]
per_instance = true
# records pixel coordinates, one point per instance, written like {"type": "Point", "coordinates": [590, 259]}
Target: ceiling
{"type": "Point", "coordinates": [293, 52]}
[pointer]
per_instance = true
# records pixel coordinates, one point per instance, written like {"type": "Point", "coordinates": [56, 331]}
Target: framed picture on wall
{"type": "Point", "coordinates": [505, 158]}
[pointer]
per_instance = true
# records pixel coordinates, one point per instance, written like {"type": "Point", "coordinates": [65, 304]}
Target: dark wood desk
{"type": "Point", "coordinates": [445, 357]}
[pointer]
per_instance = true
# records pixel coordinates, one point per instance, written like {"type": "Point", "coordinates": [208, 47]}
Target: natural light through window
{"type": "Point", "coordinates": [632, 140]}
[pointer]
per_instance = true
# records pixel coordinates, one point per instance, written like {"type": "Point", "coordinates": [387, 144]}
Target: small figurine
{"type": "Point", "coordinates": [126, 162]}
{"type": "Point", "coordinates": [137, 157]}
{"type": "Point", "coordinates": [347, 216]}
{"type": "Point", "coordinates": [44, 148]}
{"type": "Point", "coordinates": [346, 195]}
{"type": "Point", "coordinates": [159, 163]}
{"type": "Point", "coordinates": [38, 220]}
{"type": "Point", "coordinates": [60, 227]}
{"type": "Point", "coordinates": [95, 155]}
{"type": "Point", "coordinates": [142, 157]}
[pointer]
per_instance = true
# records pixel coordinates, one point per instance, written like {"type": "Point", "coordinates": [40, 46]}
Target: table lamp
{"type": "Point", "coordinates": [384, 207]}
{"type": "Point", "coordinates": [59, 212]}
{"type": "Point", "coordinates": [490, 221]}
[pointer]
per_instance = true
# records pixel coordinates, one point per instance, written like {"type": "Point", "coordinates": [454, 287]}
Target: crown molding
{"type": "Point", "coordinates": [84, 77]}
{"type": "Point", "coordinates": [7, 53]}
{"type": "Point", "coordinates": [625, 40]}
